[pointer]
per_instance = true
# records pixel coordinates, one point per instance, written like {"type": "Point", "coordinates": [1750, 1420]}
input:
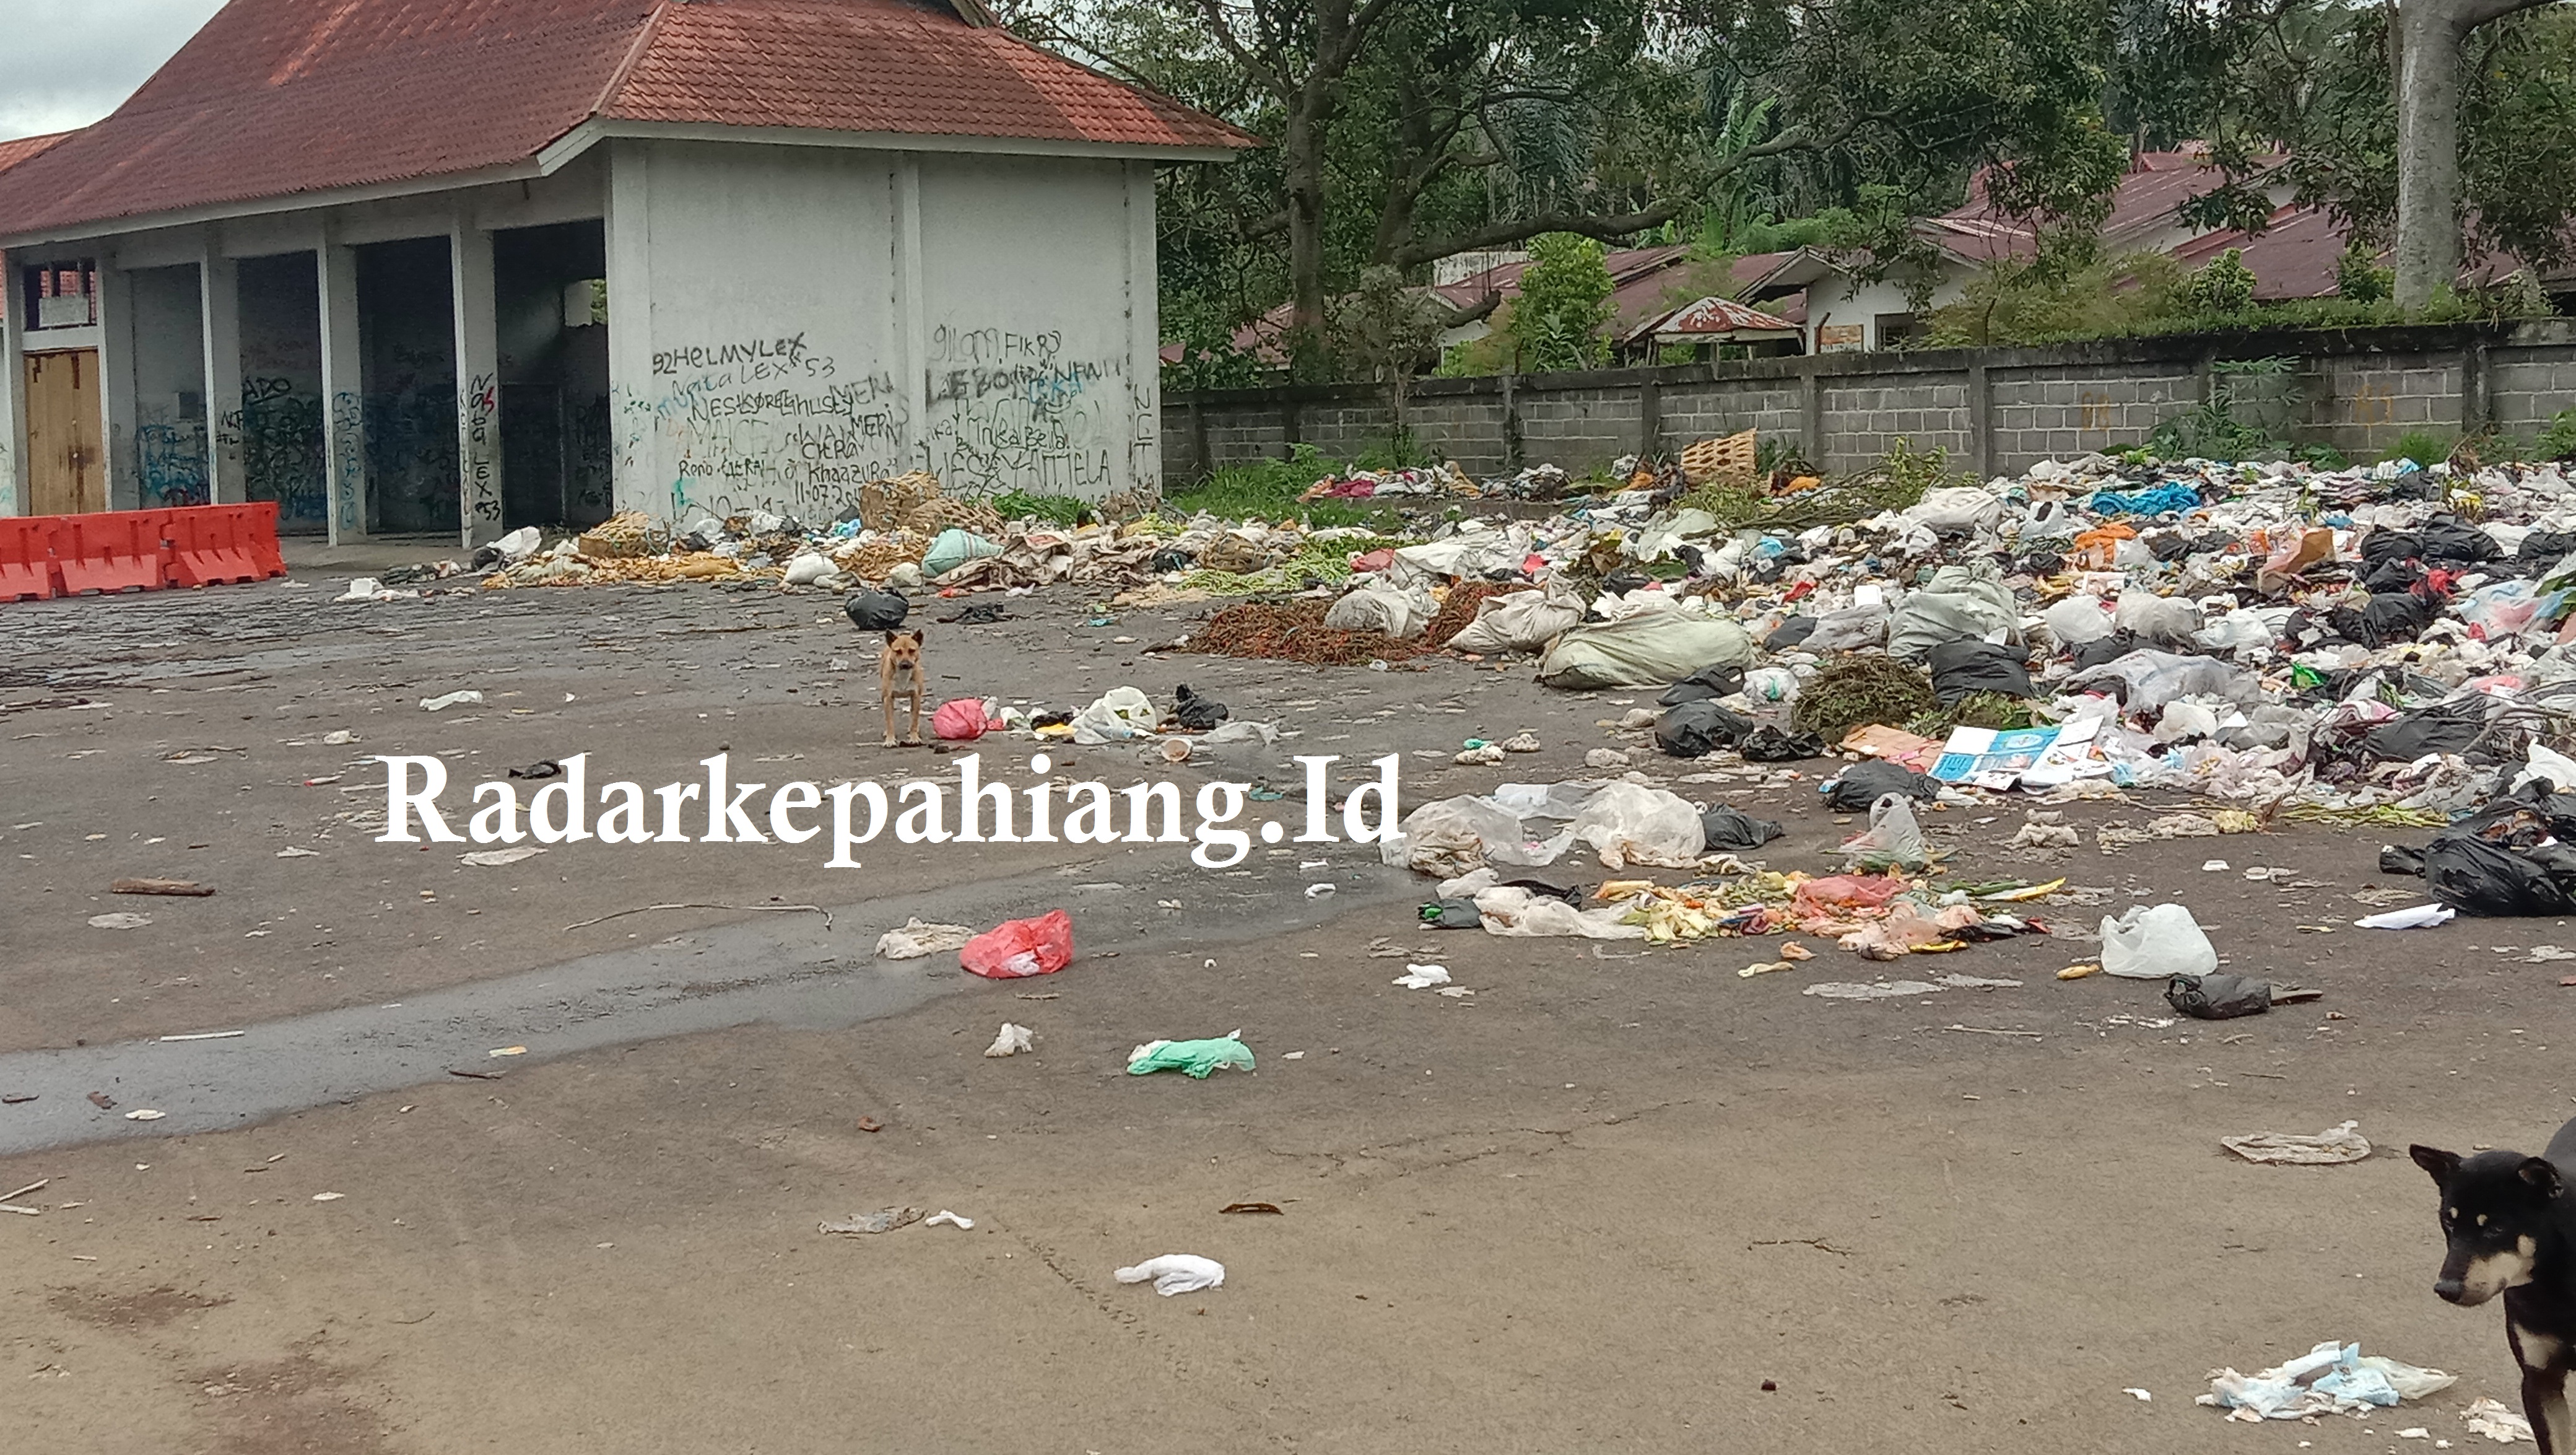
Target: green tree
{"type": "Point", "coordinates": [1556, 322]}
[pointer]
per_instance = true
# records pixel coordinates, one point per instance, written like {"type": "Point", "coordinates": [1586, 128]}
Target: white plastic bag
{"type": "Point", "coordinates": [1893, 838]}
{"type": "Point", "coordinates": [1962, 601]}
{"type": "Point", "coordinates": [1630, 824]}
{"type": "Point", "coordinates": [2155, 944]}
{"type": "Point", "coordinates": [1120, 713]}
{"type": "Point", "coordinates": [1955, 510]}
{"type": "Point", "coordinates": [2156, 618]}
{"type": "Point", "coordinates": [1399, 614]}
{"type": "Point", "coordinates": [806, 569]}
{"type": "Point", "coordinates": [1518, 621]}
{"type": "Point", "coordinates": [1176, 1273]}
{"type": "Point", "coordinates": [2077, 620]}
{"type": "Point", "coordinates": [1519, 913]}
{"type": "Point", "coordinates": [1849, 629]}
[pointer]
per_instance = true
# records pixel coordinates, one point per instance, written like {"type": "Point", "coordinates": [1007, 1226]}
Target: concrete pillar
{"type": "Point", "coordinates": [634, 424]}
{"type": "Point", "coordinates": [219, 305]}
{"type": "Point", "coordinates": [116, 345]}
{"type": "Point", "coordinates": [910, 300]}
{"type": "Point", "coordinates": [1144, 336]}
{"type": "Point", "coordinates": [1981, 422]}
{"type": "Point", "coordinates": [478, 384]}
{"type": "Point", "coordinates": [1811, 415]}
{"type": "Point", "coordinates": [1650, 414]}
{"type": "Point", "coordinates": [2475, 410]}
{"type": "Point", "coordinates": [344, 392]}
{"type": "Point", "coordinates": [16, 485]}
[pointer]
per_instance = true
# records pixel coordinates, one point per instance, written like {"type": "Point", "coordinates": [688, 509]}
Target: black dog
{"type": "Point", "coordinates": [2512, 1230]}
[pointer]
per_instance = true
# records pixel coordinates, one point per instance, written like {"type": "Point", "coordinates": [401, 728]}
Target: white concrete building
{"type": "Point", "coordinates": [532, 261]}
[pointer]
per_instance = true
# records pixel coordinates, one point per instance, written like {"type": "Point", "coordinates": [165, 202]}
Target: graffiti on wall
{"type": "Point", "coordinates": [1017, 411]}
{"type": "Point", "coordinates": [481, 407]}
{"type": "Point", "coordinates": [170, 462]}
{"type": "Point", "coordinates": [348, 462]}
{"type": "Point", "coordinates": [768, 424]}
{"type": "Point", "coordinates": [278, 430]}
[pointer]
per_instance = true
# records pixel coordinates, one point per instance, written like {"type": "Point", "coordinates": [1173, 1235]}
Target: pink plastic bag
{"type": "Point", "coordinates": [1020, 947]}
{"type": "Point", "coordinates": [958, 719]}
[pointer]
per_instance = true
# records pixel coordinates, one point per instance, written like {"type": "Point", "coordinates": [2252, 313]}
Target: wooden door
{"type": "Point", "coordinates": [69, 468]}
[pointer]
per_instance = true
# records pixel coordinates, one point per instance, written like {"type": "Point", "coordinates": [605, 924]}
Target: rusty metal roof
{"type": "Point", "coordinates": [277, 98]}
{"type": "Point", "coordinates": [1711, 318]}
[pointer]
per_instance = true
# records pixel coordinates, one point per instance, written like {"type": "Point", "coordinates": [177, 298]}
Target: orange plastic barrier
{"type": "Point", "coordinates": [110, 550]}
{"type": "Point", "coordinates": [209, 544]}
{"type": "Point", "coordinates": [137, 550]}
{"type": "Point", "coordinates": [27, 569]}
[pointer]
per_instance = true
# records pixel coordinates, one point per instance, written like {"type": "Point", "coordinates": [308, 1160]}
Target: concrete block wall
{"type": "Point", "coordinates": [2062, 411]}
{"type": "Point", "coordinates": [1865, 414]}
{"type": "Point", "coordinates": [2528, 386]}
{"type": "Point", "coordinates": [1996, 410]}
{"type": "Point", "coordinates": [1774, 408]}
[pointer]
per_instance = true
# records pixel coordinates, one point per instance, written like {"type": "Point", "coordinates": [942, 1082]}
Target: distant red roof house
{"type": "Point", "coordinates": [285, 98]}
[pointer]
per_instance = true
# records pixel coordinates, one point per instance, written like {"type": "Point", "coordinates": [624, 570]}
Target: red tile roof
{"type": "Point", "coordinates": [18, 149]}
{"type": "Point", "coordinates": [273, 98]}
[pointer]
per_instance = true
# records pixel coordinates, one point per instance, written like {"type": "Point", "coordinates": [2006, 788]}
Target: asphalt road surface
{"type": "Point", "coordinates": [1616, 1199]}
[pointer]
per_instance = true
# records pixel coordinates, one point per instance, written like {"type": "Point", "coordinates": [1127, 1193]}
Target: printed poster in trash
{"type": "Point", "coordinates": [1999, 758]}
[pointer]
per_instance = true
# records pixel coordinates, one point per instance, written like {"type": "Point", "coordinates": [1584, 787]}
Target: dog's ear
{"type": "Point", "coordinates": [919, 636]}
{"type": "Point", "coordinates": [2541, 1173]}
{"type": "Point", "coordinates": [2443, 1165]}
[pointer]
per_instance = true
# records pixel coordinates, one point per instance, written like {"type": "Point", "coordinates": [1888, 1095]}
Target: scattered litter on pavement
{"type": "Point", "coordinates": [2332, 1378]}
{"type": "Point", "coordinates": [144, 1114]}
{"type": "Point", "coordinates": [1194, 1059]}
{"type": "Point", "coordinates": [1015, 949]}
{"type": "Point", "coordinates": [2490, 1417]}
{"type": "Point", "coordinates": [204, 1036]}
{"type": "Point", "coordinates": [2333, 1146]}
{"type": "Point", "coordinates": [949, 1219]}
{"type": "Point", "coordinates": [2218, 996]}
{"type": "Point", "coordinates": [2156, 943]}
{"type": "Point", "coordinates": [176, 888]}
{"type": "Point", "coordinates": [495, 858]}
{"type": "Point", "coordinates": [298, 853]}
{"type": "Point", "coordinates": [1176, 1273]}
{"type": "Point", "coordinates": [119, 920]}
{"type": "Point", "coordinates": [918, 938]}
{"type": "Point", "coordinates": [1419, 977]}
{"type": "Point", "coordinates": [885, 1221]}
{"type": "Point", "coordinates": [1250, 1207]}
{"type": "Point", "coordinates": [2423, 916]}
{"type": "Point", "coordinates": [1011, 1040]}
{"type": "Point", "coordinates": [452, 699]}
{"type": "Point", "coordinates": [329, 1196]}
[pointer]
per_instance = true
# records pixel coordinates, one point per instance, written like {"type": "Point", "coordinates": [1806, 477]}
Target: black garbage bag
{"type": "Point", "coordinates": [1197, 713]}
{"type": "Point", "coordinates": [1168, 560]}
{"type": "Point", "coordinates": [2389, 616]}
{"type": "Point", "coordinates": [1710, 681]}
{"type": "Point", "coordinates": [1620, 583]}
{"type": "Point", "coordinates": [1790, 633]}
{"type": "Point", "coordinates": [1963, 666]}
{"type": "Point", "coordinates": [2546, 545]}
{"type": "Point", "coordinates": [877, 611]}
{"type": "Point", "coordinates": [2041, 563]}
{"type": "Point", "coordinates": [2449, 538]}
{"type": "Point", "coordinates": [2109, 649]}
{"type": "Point", "coordinates": [1861, 784]}
{"type": "Point", "coordinates": [2383, 545]}
{"type": "Point", "coordinates": [2445, 727]}
{"type": "Point", "coordinates": [2399, 859]}
{"type": "Point", "coordinates": [1696, 728]}
{"type": "Point", "coordinates": [2218, 996]}
{"type": "Point", "coordinates": [1730, 828]}
{"type": "Point", "coordinates": [1767, 744]}
{"type": "Point", "coordinates": [1451, 914]}
{"type": "Point", "coordinates": [2170, 545]}
{"type": "Point", "coordinates": [2474, 876]}
{"type": "Point", "coordinates": [2403, 575]}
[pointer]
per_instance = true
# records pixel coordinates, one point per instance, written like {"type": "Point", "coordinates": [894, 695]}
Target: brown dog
{"type": "Point", "coordinates": [899, 676]}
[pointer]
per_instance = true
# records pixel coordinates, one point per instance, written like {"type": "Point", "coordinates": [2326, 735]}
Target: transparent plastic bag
{"type": "Point", "coordinates": [1893, 838]}
{"type": "Point", "coordinates": [2156, 943]}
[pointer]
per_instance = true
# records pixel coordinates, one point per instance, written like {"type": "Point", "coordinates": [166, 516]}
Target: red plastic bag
{"type": "Point", "coordinates": [958, 719]}
{"type": "Point", "coordinates": [1018, 947]}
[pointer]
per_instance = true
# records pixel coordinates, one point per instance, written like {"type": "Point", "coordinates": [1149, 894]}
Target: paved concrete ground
{"type": "Point", "coordinates": [1597, 1205]}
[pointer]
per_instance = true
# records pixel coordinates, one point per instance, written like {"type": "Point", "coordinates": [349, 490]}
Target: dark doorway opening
{"type": "Point", "coordinates": [552, 301]}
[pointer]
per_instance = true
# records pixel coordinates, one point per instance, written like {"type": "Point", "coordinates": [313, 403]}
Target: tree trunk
{"type": "Point", "coordinates": [2428, 35]}
{"type": "Point", "coordinates": [1301, 158]}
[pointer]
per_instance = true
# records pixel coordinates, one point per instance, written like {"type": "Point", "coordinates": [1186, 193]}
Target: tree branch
{"type": "Point", "coordinates": [1213, 12]}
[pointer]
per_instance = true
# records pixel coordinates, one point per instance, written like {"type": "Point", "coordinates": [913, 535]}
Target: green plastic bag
{"type": "Point", "coordinates": [1191, 1058]}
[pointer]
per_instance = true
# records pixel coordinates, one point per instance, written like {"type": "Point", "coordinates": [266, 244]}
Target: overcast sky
{"type": "Point", "coordinates": [67, 63]}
